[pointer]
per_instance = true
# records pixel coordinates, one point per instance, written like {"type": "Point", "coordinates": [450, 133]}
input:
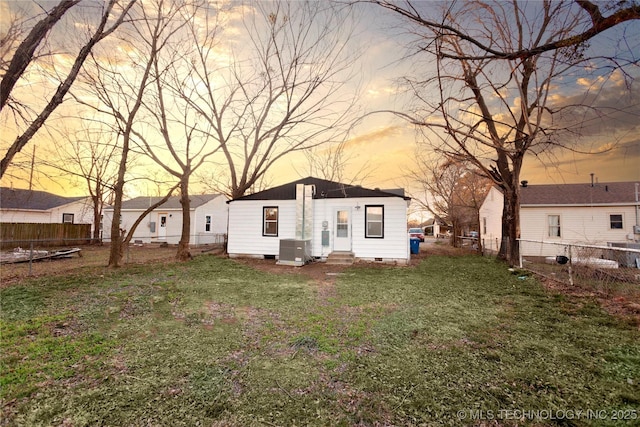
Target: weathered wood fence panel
{"type": "Point", "coordinates": [14, 234]}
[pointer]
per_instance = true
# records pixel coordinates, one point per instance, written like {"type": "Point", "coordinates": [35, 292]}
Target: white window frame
{"type": "Point", "coordinates": [66, 215]}
{"type": "Point", "coordinates": [207, 223]}
{"type": "Point", "coordinates": [553, 227]}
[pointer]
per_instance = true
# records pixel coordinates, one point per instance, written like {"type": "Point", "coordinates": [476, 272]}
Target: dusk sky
{"type": "Point", "coordinates": [381, 147]}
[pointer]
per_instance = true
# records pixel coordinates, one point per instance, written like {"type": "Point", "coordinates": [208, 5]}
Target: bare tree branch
{"type": "Point", "coordinates": [99, 34]}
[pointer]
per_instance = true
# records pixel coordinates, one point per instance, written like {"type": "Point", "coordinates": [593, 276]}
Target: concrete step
{"type": "Point", "coordinates": [341, 258]}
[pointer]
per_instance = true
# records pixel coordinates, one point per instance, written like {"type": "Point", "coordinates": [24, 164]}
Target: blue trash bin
{"type": "Point", "coordinates": [415, 245]}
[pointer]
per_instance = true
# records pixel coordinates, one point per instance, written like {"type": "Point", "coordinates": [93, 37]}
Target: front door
{"type": "Point", "coordinates": [162, 226]}
{"type": "Point", "coordinates": [342, 230]}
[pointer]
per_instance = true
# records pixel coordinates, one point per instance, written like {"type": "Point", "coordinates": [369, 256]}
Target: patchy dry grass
{"type": "Point", "coordinates": [217, 342]}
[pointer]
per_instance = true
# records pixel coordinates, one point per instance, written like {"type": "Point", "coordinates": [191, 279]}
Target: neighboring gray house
{"type": "Point", "coordinates": [596, 214]}
{"type": "Point", "coordinates": [330, 217]}
{"type": "Point", "coordinates": [18, 205]}
{"type": "Point", "coordinates": [164, 224]}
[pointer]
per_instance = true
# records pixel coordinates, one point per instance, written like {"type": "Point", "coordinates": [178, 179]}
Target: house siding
{"type": "Point", "coordinates": [143, 230]}
{"type": "Point", "coordinates": [18, 215]}
{"type": "Point", "coordinates": [491, 213]}
{"type": "Point", "coordinates": [218, 210]}
{"type": "Point", "coordinates": [216, 207]}
{"type": "Point", "coordinates": [581, 225]}
{"type": "Point", "coordinates": [245, 227]}
{"type": "Point", "coordinates": [82, 211]}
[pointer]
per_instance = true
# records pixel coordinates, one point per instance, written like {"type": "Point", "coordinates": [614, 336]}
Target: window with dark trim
{"type": "Point", "coordinates": [207, 223]}
{"type": "Point", "coordinates": [615, 221]}
{"type": "Point", "coordinates": [374, 221]}
{"type": "Point", "coordinates": [67, 218]}
{"type": "Point", "coordinates": [554, 225]}
{"type": "Point", "coordinates": [270, 221]}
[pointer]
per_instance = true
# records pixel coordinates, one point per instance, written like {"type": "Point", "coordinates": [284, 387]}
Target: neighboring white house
{"type": "Point", "coordinates": [330, 216]}
{"type": "Point", "coordinates": [41, 207]}
{"type": "Point", "coordinates": [595, 214]}
{"type": "Point", "coordinates": [208, 215]}
{"type": "Point", "coordinates": [490, 215]}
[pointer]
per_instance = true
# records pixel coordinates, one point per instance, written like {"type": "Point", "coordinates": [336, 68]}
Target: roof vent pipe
{"type": "Point", "coordinates": [524, 183]}
{"type": "Point", "coordinates": [592, 174]}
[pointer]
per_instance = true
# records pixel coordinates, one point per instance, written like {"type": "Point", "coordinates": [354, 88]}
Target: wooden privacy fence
{"type": "Point", "coordinates": [14, 234]}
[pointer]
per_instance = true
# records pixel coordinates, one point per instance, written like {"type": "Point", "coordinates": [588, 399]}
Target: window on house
{"type": "Point", "coordinates": [270, 223]}
{"type": "Point", "coordinates": [484, 225]}
{"type": "Point", "coordinates": [207, 223]}
{"type": "Point", "coordinates": [616, 221]}
{"type": "Point", "coordinates": [374, 221]}
{"type": "Point", "coordinates": [554, 225]}
{"type": "Point", "coordinates": [67, 218]}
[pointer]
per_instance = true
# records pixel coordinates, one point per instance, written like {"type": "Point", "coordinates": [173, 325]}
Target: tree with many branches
{"type": "Point", "coordinates": [285, 90]}
{"type": "Point", "coordinates": [497, 65]}
{"type": "Point", "coordinates": [112, 15]}
{"type": "Point", "coordinates": [452, 191]}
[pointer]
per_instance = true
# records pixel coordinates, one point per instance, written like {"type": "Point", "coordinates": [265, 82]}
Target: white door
{"type": "Point", "coordinates": [342, 230]}
{"type": "Point", "coordinates": [162, 226]}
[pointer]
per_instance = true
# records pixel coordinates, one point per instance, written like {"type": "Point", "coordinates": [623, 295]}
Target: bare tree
{"type": "Point", "coordinates": [24, 54]}
{"type": "Point", "coordinates": [115, 86]}
{"type": "Point", "coordinates": [452, 192]}
{"type": "Point", "coordinates": [91, 156]}
{"type": "Point", "coordinates": [496, 67]}
{"type": "Point", "coordinates": [112, 16]}
{"type": "Point", "coordinates": [285, 90]}
{"type": "Point", "coordinates": [185, 146]}
{"type": "Point", "coordinates": [335, 163]}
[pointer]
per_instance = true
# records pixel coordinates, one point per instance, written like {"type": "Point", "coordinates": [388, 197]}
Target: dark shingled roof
{"type": "Point", "coordinates": [578, 194]}
{"type": "Point", "coordinates": [33, 200]}
{"type": "Point", "coordinates": [143, 202]}
{"type": "Point", "coordinates": [324, 190]}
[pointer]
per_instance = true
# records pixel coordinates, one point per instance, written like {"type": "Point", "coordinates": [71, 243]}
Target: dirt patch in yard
{"type": "Point", "coordinates": [95, 258]}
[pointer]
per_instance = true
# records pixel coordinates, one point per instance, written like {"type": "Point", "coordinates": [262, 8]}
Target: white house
{"type": "Point", "coordinates": [490, 214]}
{"type": "Point", "coordinates": [596, 214]}
{"type": "Point", "coordinates": [330, 217]}
{"type": "Point", "coordinates": [17, 205]}
{"type": "Point", "coordinates": [208, 215]}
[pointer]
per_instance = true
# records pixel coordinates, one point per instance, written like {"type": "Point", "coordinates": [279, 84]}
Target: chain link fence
{"type": "Point", "coordinates": [613, 269]}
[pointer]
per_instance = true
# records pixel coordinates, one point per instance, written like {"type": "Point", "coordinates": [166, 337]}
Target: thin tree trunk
{"type": "Point", "coordinates": [183, 253]}
{"type": "Point", "coordinates": [116, 250]}
{"type": "Point", "coordinates": [97, 213]}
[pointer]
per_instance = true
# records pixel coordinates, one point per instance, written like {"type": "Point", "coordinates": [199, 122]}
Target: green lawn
{"type": "Point", "coordinates": [452, 341]}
